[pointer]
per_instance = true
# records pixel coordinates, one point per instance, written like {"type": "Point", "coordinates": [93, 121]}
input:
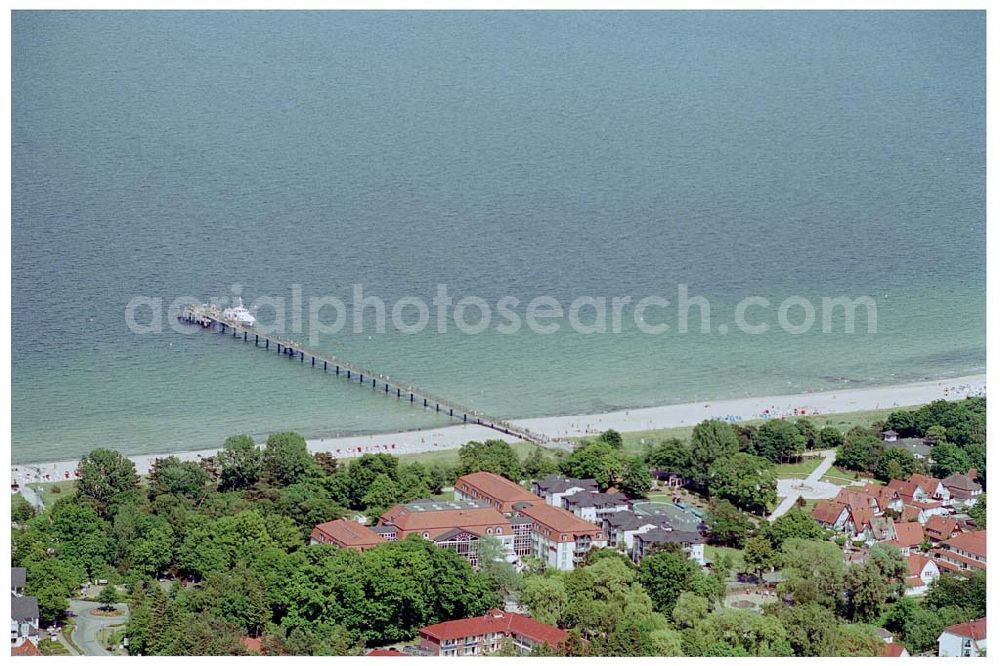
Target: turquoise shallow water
{"type": "Point", "coordinates": [603, 154]}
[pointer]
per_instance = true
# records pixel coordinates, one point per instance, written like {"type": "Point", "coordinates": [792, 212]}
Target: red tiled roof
{"type": "Point", "coordinates": [558, 520]}
{"type": "Point", "coordinates": [944, 559]}
{"type": "Point", "coordinates": [346, 533]}
{"type": "Point", "coordinates": [882, 494]}
{"type": "Point", "coordinates": [973, 542]}
{"type": "Point", "coordinates": [905, 489]}
{"type": "Point", "coordinates": [861, 516]}
{"type": "Point", "coordinates": [927, 483]}
{"type": "Point", "coordinates": [497, 622]}
{"type": "Point", "coordinates": [827, 511]}
{"type": "Point", "coordinates": [916, 563]}
{"type": "Point", "coordinates": [496, 487]}
{"type": "Point", "coordinates": [940, 527]}
{"type": "Point", "coordinates": [473, 519]}
{"type": "Point", "coordinates": [910, 513]}
{"type": "Point", "coordinates": [391, 652]}
{"type": "Point", "coordinates": [892, 650]}
{"type": "Point", "coordinates": [976, 630]}
{"type": "Point", "coordinates": [854, 498]}
{"type": "Point", "coordinates": [26, 649]}
{"type": "Point", "coordinates": [908, 535]}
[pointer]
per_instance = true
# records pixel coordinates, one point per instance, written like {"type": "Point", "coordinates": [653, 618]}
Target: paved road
{"type": "Point", "coordinates": [87, 625]}
{"type": "Point", "coordinates": [32, 495]}
{"type": "Point", "coordinates": [810, 488]}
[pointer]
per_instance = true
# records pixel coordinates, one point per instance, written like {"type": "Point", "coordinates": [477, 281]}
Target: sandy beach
{"type": "Point", "coordinates": [648, 418]}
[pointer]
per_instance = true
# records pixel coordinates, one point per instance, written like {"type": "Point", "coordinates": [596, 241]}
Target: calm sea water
{"type": "Point", "coordinates": [561, 154]}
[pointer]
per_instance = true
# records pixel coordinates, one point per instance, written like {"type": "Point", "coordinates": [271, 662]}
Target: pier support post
{"type": "Point", "coordinates": [361, 379]}
{"type": "Point", "coordinates": [279, 347]}
{"type": "Point", "coordinates": [411, 397]}
{"type": "Point", "coordinates": [387, 389]}
{"type": "Point", "coordinates": [348, 372]}
{"type": "Point", "coordinates": [465, 418]}
{"type": "Point", "coordinates": [373, 384]}
{"type": "Point", "coordinates": [244, 336]}
{"type": "Point", "coordinates": [256, 340]}
{"type": "Point", "coordinates": [425, 402]}
{"type": "Point", "coordinates": [338, 370]}
{"type": "Point", "coordinates": [324, 366]}
{"type": "Point", "coordinates": [267, 343]}
{"type": "Point", "coordinates": [451, 412]}
{"type": "Point", "coordinates": [302, 358]}
{"type": "Point", "coordinates": [398, 393]}
{"type": "Point", "coordinates": [437, 408]}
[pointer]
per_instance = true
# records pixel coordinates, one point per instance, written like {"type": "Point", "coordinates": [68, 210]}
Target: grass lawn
{"type": "Point", "coordinates": [49, 493]}
{"type": "Point", "coordinates": [636, 440]}
{"type": "Point", "coordinates": [801, 469]}
{"type": "Point", "coordinates": [50, 647]}
{"type": "Point", "coordinates": [843, 477]}
{"type": "Point", "coordinates": [810, 505]}
{"type": "Point", "coordinates": [450, 456]}
{"type": "Point", "coordinates": [735, 555]}
{"type": "Point", "coordinates": [448, 495]}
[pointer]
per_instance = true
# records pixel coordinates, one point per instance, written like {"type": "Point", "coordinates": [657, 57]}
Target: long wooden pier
{"type": "Point", "coordinates": [211, 319]}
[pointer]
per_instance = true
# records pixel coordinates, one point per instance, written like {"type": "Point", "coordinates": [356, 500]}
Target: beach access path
{"type": "Point", "coordinates": [809, 488]}
{"type": "Point", "coordinates": [582, 425]}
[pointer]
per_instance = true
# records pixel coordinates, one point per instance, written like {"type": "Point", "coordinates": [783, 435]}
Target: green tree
{"type": "Point", "coordinates": [494, 565]}
{"type": "Point", "coordinates": [108, 597]}
{"type": "Point", "coordinates": [671, 455]}
{"type": "Point", "coordinates": [53, 582]}
{"type": "Point", "coordinates": [665, 576]}
{"type": "Point", "coordinates": [759, 556]}
{"type": "Point", "coordinates": [710, 441]}
{"type": "Point", "coordinates": [830, 438]}
{"type": "Point", "coordinates": [808, 430]}
{"type": "Point", "coordinates": [612, 437]}
{"type": "Point", "coordinates": [595, 460]}
{"type": "Point", "coordinates": [747, 481]}
{"type": "Point", "coordinates": [860, 451]}
{"type": "Point", "coordinates": [808, 627]}
{"type": "Point", "coordinates": [286, 458]}
{"type": "Point", "coordinates": [172, 476]}
{"type": "Point", "coordinates": [104, 476]}
{"type": "Point", "coordinates": [307, 503]}
{"type": "Point", "coordinates": [21, 509]}
{"type": "Point", "coordinates": [635, 479]}
{"type": "Point", "coordinates": [919, 626]}
{"type": "Point", "coordinates": [778, 440]}
{"type": "Point", "coordinates": [383, 493]}
{"type": "Point", "coordinates": [937, 434]}
{"type": "Point", "coordinates": [437, 478]}
{"type": "Point", "coordinates": [493, 455]}
{"type": "Point", "coordinates": [689, 609]}
{"type": "Point", "coordinates": [865, 592]}
{"type": "Point", "coordinates": [240, 463]}
{"type": "Point", "coordinates": [738, 632]}
{"type": "Point", "coordinates": [967, 592]}
{"type": "Point", "coordinates": [948, 460]}
{"type": "Point", "coordinates": [794, 524]}
{"type": "Point", "coordinates": [814, 571]}
{"type": "Point", "coordinates": [978, 512]}
{"type": "Point", "coordinates": [538, 465]}
{"type": "Point", "coordinates": [545, 597]}
{"type": "Point", "coordinates": [727, 525]}
{"type": "Point", "coordinates": [894, 464]}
